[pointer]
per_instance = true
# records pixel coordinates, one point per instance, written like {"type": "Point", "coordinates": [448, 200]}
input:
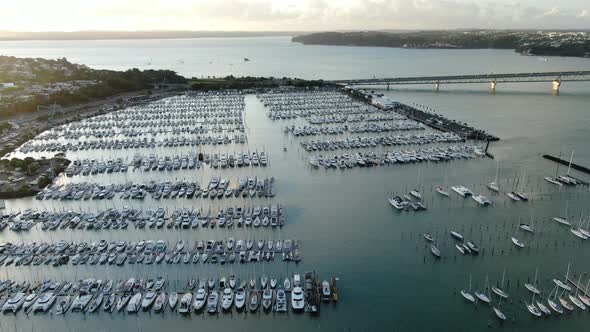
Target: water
{"type": "Point", "coordinates": [388, 279]}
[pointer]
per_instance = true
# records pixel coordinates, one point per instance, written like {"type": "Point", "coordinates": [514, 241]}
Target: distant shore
{"type": "Point", "coordinates": [156, 34]}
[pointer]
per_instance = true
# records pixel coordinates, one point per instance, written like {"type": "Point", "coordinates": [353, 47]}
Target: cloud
{"type": "Point", "coordinates": [290, 14]}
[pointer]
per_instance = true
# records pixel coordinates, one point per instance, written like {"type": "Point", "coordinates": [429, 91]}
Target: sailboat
{"type": "Point", "coordinates": [567, 179]}
{"type": "Point", "coordinates": [482, 296]}
{"type": "Point", "coordinates": [554, 180]}
{"type": "Point", "coordinates": [563, 220]}
{"type": "Point", "coordinates": [532, 308]}
{"type": "Point", "coordinates": [521, 194]}
{"type": "Point", "coordinates": [578, 232]}
{"type": "Point", "coordinates": [585, 299]}
{"type": "Point", "coordinates": [526, 227]}
{"type": "Point", "coordinates": [494, 184]}
{"type": "Point", "coordinates": [415, 192]}
{"type": "Point", "coordinates": [533, 287]}
{"type": "Point", "coordinates": [498, 312]}
{"type": "Point", "coordinates": [498, 290]}
{"type": "Point", "coordinates": [442, 189]}
{"type": "Point", "coordinates": [554, 305]}
{"type": "Point", "coordinates": [575, 299]}
{"type": "Point", "coordinates": [467, 295]}
{"type": "Point", "coordinates": [518, 243]}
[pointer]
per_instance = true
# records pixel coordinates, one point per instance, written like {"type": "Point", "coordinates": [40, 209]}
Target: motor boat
{"type": "Point", "coordinates": [227, 299]}
{"type": "Point", "coordinates": [297, 299]}
{"type": "Point", "coordinates": [212, 302]}
{"type": "Point", "coordinates": [200, 299]}
{"type": "Point", "coordinates": [240, 298]}
{"type": "Point", "coordinates": [185, 303]}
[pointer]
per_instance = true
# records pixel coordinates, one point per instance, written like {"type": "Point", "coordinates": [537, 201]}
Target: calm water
{"type": "Point", "coordinates": [388, 279]}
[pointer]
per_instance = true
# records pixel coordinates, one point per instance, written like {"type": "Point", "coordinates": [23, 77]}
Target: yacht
{"type": "Point", "coordinates": [267, 299]}
{"type": "Point", "coordinates": [577, 302]}
{"type": "Point", "coordinates": [148, 300]}
{"type": "Point", "coordinates": [543, 308]}
{"type": "Point", "coordinates": [134, 303]}
{"type": "Point", "coordinates": [29, 300]}
{"type": "Point", "coordinates": [499, 314]}
{"type": "Point", "coordinates": [442, 191]}
{"type": "Point", "coordinates": [240, 298]}
{"type": "Point", "coordinates": [173, 300]}
{"type": "Point", "coordinates": [553, 181]}
{"type": "Point", "coordinates": [562, 285]}
{"type": "Point", "coordinates": [566, 304]}
{"type": "Point", "coordinates": [513, 196]}
{"type": "Point", "coordinates": [227, 299]}
{"type": "Point", "coordinates": [555, 306]}
{"type": "Point", "coordinates": [44, 302]}
{"type": "Point", "coordinates": [14, 303]}
{"type": "Point", "coordinates": [212, 302]}
{"type": "Point", "coordinates": [500, 292]}
{"type": "Point", "coordinates": [526, 227]}
{"type": "Point", "coordinates": [297, 299]}
{"type": "Point", "coordinates": [185, 303]}
{"type": "Point", "coordinates": [63, 305]}
{"type": "Point", "coordinates": [160, 303]}
{"type": "Point", "coordinates": [562, 221]}
{"type": "Point", "coordinates": [416, 194]}
{"type": "Point", "coordinates": [428, 237]}
{"type": "Point", "coordinates": [482, 200]}
{"type": "Point", "coordinates": [482, 296]}
{"type": "Point", "coordinates": [200, 299]}
{"type": "Point", "coordinates": [532, 288]}
{"type": "Point", "coordinates": [254, 301]}
{"type": "Point", "coordinates": [461, 190]}
{"type": "Point", "coordinates": [434, 250]}
{"type": "Point", "coordinates": [533, 310]}
{"type": "Point", "coordinates": [457, 236]}
{"type": "Point", "coordinates": [281, 303]}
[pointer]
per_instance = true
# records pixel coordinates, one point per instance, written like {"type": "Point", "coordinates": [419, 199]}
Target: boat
{"type": "Point", "coordinates": [185, 303]}
{"type": "Point", "coordinates": [555, 306]}
{"type": "Point", "coordinates": [44, 302]}
{"type": "Point", "coordinates": [532, 287]}
{"type": "Point", "coordinates": [564, 303]}
{"type": "Point", "coordinates": [513, 196]}
{"type": "Point", "coordinates": [473, 247]}
{"type": "Point", "coordinates": [267, 299]}
{"type": "Point", "coordinates": [121, 303]}
{"type": "Point", "coordinates": [518, 243]}
{"type": "Point", "coordinates": [553, 181]}
{"type": "Point", "coordinates": [543, 308]}
{"type": "Point", "coordinates": [461, 190]}
{"type": "Point", "coordinates": [326, 291]}
{"type": "Point", "coordinates": [460, 248]}
{"type": "Point", "coordinates": [14, 303]}
{"type": "Point", "coordinates": [562, 285]}
{"type": "Point", "coordinates": [494, 184]}
{"type": "Point", "coordinates": [457, 236]}
{"type": "Point", "coordinates": [29, 300]}
{"type": "Point", "coordinates": [482, 296]}
{"type": "Point", "coordinates": [172, 300]}
{"type": "Point", "coordinates": [428, 237]}
{"type": "Point", "coordinates": [148, 300]}
{"type": "Point", "coordinates": [467, 294]}
{"type": "Point", "coordinates": [498, 290]}
{"type": "Point", "coordinates": [434, 250]}
{"type": "Point", "coordinates": [297, 299]}
{"type": "Point", "coordinates": [416, 194]}
{"type": "Point", "coordinates": [281, 303]}
{"type": "Point", "coordinates": [134, 303]}
{"type": "Point", "coordinates": [254, 301]}
{"type": "Point", "coordinates": [240, 298]}
{"type": "Point", "coordinates": [442, 191]}
{"type": "Point", "coordinates": [227, 299]}
{"type": "Point", "coordinates": [212, 302]}
{"type": "Point", "coordinates": [482, 200]}
{"type": "Point", "coordinates": [63, 305]}
{"type": "Point", "coordinates": [200, 299]}
{"type": "Point", "coordinates": [533, 310]}
{"type": "Point", "coordinates": [160, 303]}
{"type": "Point", "coordinates": [499, 314]}
{"type": "Point", "coordinates": [96, 302]}
{"type": "Point", "coordinates": [562, 221]}
{"type": "Point", "coordinates": [579, 234]}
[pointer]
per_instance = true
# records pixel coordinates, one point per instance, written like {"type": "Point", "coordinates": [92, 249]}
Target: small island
{"type": "Point", "coordinates": [546, 43]}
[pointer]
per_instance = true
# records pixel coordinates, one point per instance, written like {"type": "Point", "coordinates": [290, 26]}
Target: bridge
{"type": "Point", "coordinates": [556, 78]}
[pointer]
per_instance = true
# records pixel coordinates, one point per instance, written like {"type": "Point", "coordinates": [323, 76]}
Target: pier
{"type": "Point", "coordinates": [556, 78]}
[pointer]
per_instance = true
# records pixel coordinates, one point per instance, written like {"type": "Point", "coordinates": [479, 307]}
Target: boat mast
{"type": "Point", "coordinates": [570, 164]}
{"type": "Point", "coordinates": [497, 168]}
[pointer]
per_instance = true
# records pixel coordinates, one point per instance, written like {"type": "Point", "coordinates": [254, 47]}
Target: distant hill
{"type": "Point", "coordinates": [155, 34]}
{"type": "Point", "coordinates": [527, 42]}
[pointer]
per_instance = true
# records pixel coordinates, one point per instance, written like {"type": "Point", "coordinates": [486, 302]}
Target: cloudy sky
{"type": "Point", "coordinates": [283, 15]}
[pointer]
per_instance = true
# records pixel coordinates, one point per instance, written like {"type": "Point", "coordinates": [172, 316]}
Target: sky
{"type": "Point", "coordinates": [290, 15]}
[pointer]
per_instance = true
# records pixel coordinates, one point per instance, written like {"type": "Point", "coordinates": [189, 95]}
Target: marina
{"type": "Point", "coordinates": [344, 223]}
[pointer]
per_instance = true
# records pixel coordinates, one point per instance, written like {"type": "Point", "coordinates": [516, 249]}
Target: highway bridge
{"type": "Point", "coordinates": [556, 78]}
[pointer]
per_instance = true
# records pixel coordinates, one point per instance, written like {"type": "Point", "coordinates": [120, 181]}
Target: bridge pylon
{"type": "Point", "coordinates": [436, 86]}
{"type": "Point", "coordinates": [493, 86]}
{"type": "Point", "coordinates": [556, 85]}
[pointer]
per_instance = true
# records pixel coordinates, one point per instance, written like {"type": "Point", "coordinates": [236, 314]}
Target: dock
{"type": "Point", "coordinates": [577, 286]}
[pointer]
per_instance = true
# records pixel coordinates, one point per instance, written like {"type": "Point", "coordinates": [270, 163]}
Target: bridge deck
{"type": "Point", "coordinates": [563, 76]}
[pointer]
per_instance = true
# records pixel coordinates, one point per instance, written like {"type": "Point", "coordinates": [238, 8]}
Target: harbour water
{"type": "Point", "coordinates": [388, 278]}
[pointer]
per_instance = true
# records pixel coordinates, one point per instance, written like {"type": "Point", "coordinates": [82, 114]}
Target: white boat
{"type": "Point", "coordinates": [29, 300]}
{"type": "Point", "coordinates": [14, 303]}
{"type": "Point", "coordinates": [212, 302]}
{"type": "Point", "coordinates": [513, 196]}
{"type": "Point", "coordinates": [227, 299]}
{"type": "Point", "coordinates": [326, 291]}
{"type": "Point", "coordinates": [562, 285]}
{"type": "Point", "coordinates": [185, 303]}
{"type": "Point", "coordinates": [148, 300]}
{"type": "Point", "coordinates": [297, 299]}
{"type": "Point", "coordinates": [457, 235]}
{"type": "Point", "coordinates": [555, 306]}
{"type": "Point", "coordinates": [240, 298]}
{"type": "Point", "coordinates": [526, 227]}
{"type": "Point", "coordinates": [553, 181]}
{"type": "Point", "coordinates": [482, 296]}
{"type": "Point", "coordinates": [434, 250]}
{"type": "Point", "coordinates": [442, 191]}
{"type": "Point", "coordinates": [543, 308]}
{"type": "Point", "coordinates": [518, 243]}
{"type": "Point", "coordinates": [134, 303]}
{"type": "Point", "coordinates": [467, 294]}
{"type": "Point", "coordinates": [564, 303]}
{"type": "Point", "coordinates": [44, 302]}
{"type": "Point", "coordinates": [160, 303]}
{"type": "Point", "coordinates": [428, 237]}
{"type": "Point", "coordinates": [500, 292]}
{"type": "Point", "coordinates": [460, 248]}
{"type": "Point", "coordinates": [499, 314]}
{"type": "Point", "coordinates": [172, 300]}
{"type": "Point", "coordinates": [482, 200]}
{"type": "Point", "coordinates": [416, 194]}
{"type": "Point", "coordinates": [200, 299]}
{"type": "Point", "coordinates": [579, 234]}
{"type": "Point", "coordinates": [281, 303]}
{"type": "Point", "coordinates": [493, 186]}
{"type": "Point", "coordinates": [533, 310]}
{"type": "Point", "coordinates": [461, 190]}
{"type": "Point", "coordinates": [267, 299]}
{"type": "Point", "coordinates": [562, 221]}
{"type": "Point", "coordinates": [577, 302]}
